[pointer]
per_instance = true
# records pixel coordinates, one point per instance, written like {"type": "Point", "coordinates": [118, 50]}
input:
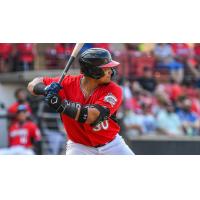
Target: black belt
{"type": "Point", "coordinates": [101, 145]}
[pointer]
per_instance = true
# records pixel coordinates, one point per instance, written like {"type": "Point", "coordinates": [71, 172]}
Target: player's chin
{"type": "Point", "coordinates": [107, 80]}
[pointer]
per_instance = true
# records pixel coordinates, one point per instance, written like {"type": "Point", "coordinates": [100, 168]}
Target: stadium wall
{"type": "Point", "coordinates": [165, 145]}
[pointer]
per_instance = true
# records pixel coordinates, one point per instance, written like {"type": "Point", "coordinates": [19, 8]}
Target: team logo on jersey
{"type": "Point", "coordinates": [111, 99]}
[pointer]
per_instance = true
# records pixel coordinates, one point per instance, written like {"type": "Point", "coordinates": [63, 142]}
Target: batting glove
{"type": "Point", "coordinates": [53, 88]}
{"type": "Point", "coordinates": [54, 101]}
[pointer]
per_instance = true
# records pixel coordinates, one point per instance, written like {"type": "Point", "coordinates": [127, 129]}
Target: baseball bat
{"type": "Point", "coordinates": [73, 56]}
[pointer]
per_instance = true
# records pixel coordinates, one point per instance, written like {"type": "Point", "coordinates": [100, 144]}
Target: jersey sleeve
{"type": "Point", "coordinates": [111, 99]}
{"type": "Point", "coordinates": [49, 80]}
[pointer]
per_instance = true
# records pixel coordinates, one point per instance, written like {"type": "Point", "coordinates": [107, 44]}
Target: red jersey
{"type": "Point", "coordinates": [197, 49]}
{"type": "Point", "coordinates": [23, 134]}
{"type": "Point", "coordinates": [5, 50]}
{"type": "Point", "coordinates": [64, 48]}
{"type": "Point", "coordinates": [109, 96]}
{"type": "Point", "coordinates": [26, 52]}
{"type": "Point", "coordinates": [181, 49]}
{"type": "Point", "coordinates": [13, 108]}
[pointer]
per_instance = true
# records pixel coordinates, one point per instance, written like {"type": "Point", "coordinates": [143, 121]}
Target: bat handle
{"type": "Point", "coordinates": [71, 60]}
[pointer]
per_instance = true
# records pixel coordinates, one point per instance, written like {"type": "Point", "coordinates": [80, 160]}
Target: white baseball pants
{"type": "Point", "coordinates": [116, 147]}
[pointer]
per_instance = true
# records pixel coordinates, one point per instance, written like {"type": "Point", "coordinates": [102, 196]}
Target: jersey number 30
{"type": "Point", "coordinates": [102, 126]}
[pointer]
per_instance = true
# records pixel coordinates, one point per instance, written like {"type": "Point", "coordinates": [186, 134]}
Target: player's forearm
{"type": "Point", "coordinates": [79, 113]}
{"type": "Point", "coordinates": [84, 114]}
{"type": "Point", "coordinates": [92, 115]}
{"type": "Point", "coordinates": [36, 87]}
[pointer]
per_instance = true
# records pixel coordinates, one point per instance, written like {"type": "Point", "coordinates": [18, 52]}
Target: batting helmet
{"type": "Point", "coordinates": [93, 60]}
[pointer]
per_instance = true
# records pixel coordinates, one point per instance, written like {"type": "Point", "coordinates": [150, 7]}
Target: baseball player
{"type": "Point", "coordinates": [21, 98]}
{"type": "Point", "coordinates": [88, 104]}
{"type": "Point", "coordinates": [23, 135]}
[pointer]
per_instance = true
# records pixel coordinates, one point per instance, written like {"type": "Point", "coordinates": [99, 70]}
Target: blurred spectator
{"type": "Point", "coordinates": [165, 59]}
{"type": "Point", "coordinates": [182, 54]}
{"type": "Point", "coordinates": [134, 103]}
{"type": "Point", "coordinates": [133, 47]}
{"type": "Point", "coordinates": [24, 135]}
{"type": "Point", "coordinates": [137, 60]}
{"type": "Point", "coordinates": [57, 56]}
{"type": "Point", "coordinates": [195, 107]}
{"type": "Point", "coordinates": [170, 90]}
{"type": "Point", "coordinates": [175, 91]}
{"type": "Point", "coordinates": [147, 81]}
{"type": "Point", "coordinates": [164, 54]}
{"type": "Point", "coordinates": [159, 102]}
{"type": "Point", "coordinates": [148, 119]}
{"type": "Point", "coordinates": [51, 58]}
{"type": "Point", "coordinates": [102, 45]}
{"type": "Point", "coordinates": [197, 55]}
{"type": "Point", "coordinates": [194, 65]}
{"type": "Point", "coordinates": [189, 120]}
{"type": "Point", "coordinates": [128, 60]}
{"type": "Point", "coordinates": [6, 51]}
{"type": "Point", "coordinates": [142, 62]}
{"type": "Point", "coordinates": [64, 49]}
{"type": "Point", "coordinates": [63, 52]}
{"type": "Point", "coordinates": [142, 123]}
{"type": "Point", "coordinates": [168, 122]}
{"type": "Point", "coordinates": [21, 98]}
{"type": "Point", "coordinates": [182, 51]}
{"type": "Point", "coordinates": [25, 56]}
{"type": "Point", "coordinates": [133, 124]}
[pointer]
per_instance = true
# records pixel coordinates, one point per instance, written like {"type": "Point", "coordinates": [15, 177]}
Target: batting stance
{"type": "Point", "coordinates": [88, 104]}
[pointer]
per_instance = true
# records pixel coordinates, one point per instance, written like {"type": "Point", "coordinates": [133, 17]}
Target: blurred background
{"type": "Point", "coordinates": [160, 113]}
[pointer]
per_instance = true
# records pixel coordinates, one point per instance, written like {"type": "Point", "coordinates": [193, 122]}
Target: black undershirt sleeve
{"type": "Point", "coordinates": [39, 89]}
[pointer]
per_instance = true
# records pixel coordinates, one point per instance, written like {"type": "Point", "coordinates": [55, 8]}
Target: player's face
{"type": "Point", "coordinates": [107, 77]}
{"type": "Point", "coordinates": [22, 116]}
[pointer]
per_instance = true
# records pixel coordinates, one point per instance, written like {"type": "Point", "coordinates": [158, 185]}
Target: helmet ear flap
{"type": "Point", "coordinates": [93, 72]}
{"type": "Point", "coordinates": [96, 72]}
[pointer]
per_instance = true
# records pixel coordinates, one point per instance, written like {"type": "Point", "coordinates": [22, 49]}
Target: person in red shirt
{"type": "Point", "coordinates": [197, 56]}
{"type": "Point", "coordinates": [23, 135]}
{"type": "Point", "coordinates": [63, 51]}
{"type": "Point", "coordinates": [6, 50]}
{"type": "Point", "coordinates": [88, 104]}
{"type": "Point", "coordinates": [21, 97]}
{"type": "Point", "coordinates": [26, 53]}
